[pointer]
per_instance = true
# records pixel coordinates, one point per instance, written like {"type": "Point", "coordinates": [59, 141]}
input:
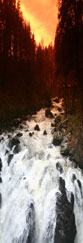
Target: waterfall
{"type": "Point", "coordinates": [31, 170]}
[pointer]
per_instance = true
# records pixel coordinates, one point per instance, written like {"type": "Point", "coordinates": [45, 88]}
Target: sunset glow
{"type": "Point", "coordinates": [42, 17]}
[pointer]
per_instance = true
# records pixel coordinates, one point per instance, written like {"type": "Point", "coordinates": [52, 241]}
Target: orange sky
{"type": "Point", "coordinates": [42, 15]}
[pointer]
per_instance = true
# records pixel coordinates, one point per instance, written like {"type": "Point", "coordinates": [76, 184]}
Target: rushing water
{"type": "Point", "coordinates": [30, 183]}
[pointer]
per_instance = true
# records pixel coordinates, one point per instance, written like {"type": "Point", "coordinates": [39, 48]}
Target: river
{"type": "Point", "coordinates": [30, 182]}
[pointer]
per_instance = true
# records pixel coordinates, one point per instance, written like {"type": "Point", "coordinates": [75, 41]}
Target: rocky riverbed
{"type": "Point", "coordinates": [41, 187]}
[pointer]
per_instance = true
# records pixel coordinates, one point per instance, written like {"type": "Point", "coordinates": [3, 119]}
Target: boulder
{"type": "Point", "coordinates": [59, 109]}
{"type": "Point", "coordinates": [17, 149]}
{"type": "Point", "coordinates": [0, 164]}
{"type": "Point", "coordinates": [65, 230]}
{"type": "Point", "coordinates": [19, 134]}
{"type": "Point", "coordinates": [0, 180]}
{"type": "Point", "coordinates": [56, 100]}
{"type": "Point", "coordinates": [36, 128]}
{"type": "Point", "coordinates": [30, 220]}
{"type": "Point", "coordinates": [57, 138]}
{"type": "Point", "coordinates": [65, 150]}
{"type": "Point", "coordinates": [79, 184]}
{"type": "Point", "coordinates": [80, 187]}
{"type": "Point", "coordinates": [31, 134]}
{"type": "Point", "coordinates": [48, 113]}
{"type": "Point", "coordinates": [10, 158]}
{"type": "Point", "coordinates": [73, 178]}
{"type": "Point", "coordinates": [13, 142]}
{"type": "Point", "coordinates": [52, 124]}
{"type": "Point", "coordinates": [0, 199]}
{"type": "Point", "coordinates": [20, 126]}
{"type": "Point", "coordinates": [9, 136]}
{"type": "Point", "coordinates": [1, 139]}
{"type": "Point", "coordinates": [59, 167]}
{"type": "Point", "coordinates": [44, 133]}
{"type": "Point", "coordinates": [6, 152]}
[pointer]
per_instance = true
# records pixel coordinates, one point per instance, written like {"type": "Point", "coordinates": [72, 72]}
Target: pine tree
{"type": "Point", "coordinates": [68, 40]}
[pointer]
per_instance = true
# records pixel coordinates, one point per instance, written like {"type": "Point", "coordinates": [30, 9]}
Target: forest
{"type": "Point", "coordinates": [26, 69]}
{"type": "Point", "coordinates": [69, 54]}
{"type": "Point", "coordinates": [29, 73]}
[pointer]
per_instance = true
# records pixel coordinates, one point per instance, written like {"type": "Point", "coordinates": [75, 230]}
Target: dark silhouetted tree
{"type": "Point", "coordinates": [68, 42]}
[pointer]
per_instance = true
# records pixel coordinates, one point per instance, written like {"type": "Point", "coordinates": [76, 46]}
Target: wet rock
{"type": "Point", "coordinates": [0, 164]}
{"type": "Point", "coordinates": [1, 139]}
{"type": "Point", "coordinates": [44, 133]}
{"type": "Point", "coordinates": [17, 149]}
{"type": "Point", "coordinates": [20, 126]}
{"type": "Point", "coordinates": [10, 158]}
{"type": "Point", "coordinates": [19, 134]}
{"type": "Point", "coordinates": [31, 134]}
{"type": "Point", "coordinates": [62, 185]}
{"type": "Point", "coordinates": [57, 120]}
{"type": "Point", "coordinates": [73, 177]}
{"type": "Point", "coordinates": [30, 220]}
{"type": "Point", "coordinates": [80, 186]}
{"type": "Point", "coordinates": [12, 142]}
{"type": "Point", "coordinates": [65, 230]}
{"type": "Point", "coordinates": [55, 130]}
{"type": "Point", "coordinates": [59, 167]}
{"type": "Point", "coordinates": [62, 113]}
{"type": "Point", "coordinates": [57, 138]}
{"type": "Point", "coordinates": [36, 128]}
{"type": "Point", "coordinates": [48, 114]}
{"type": "Point", "coordinates": [26, 130]}
{"type": "Point", "coordinates": [72, 199]}
{"type": "Point", "coordinates": [0, 199]}
{"type": "Point", "coordinates": [0, 180]}
{"type": "Point", "coordinates": [9, 136]}
{"type": "Point", "coordinates": [52, 124]}
{"type": "Point", "coordinates": [56, 100]}
{"type": "Point", "coordinates": [75, 164]}
{"type": "Point", "coordinates": [6, 152]}
{"type": "Point", "coordinates": [65, 150]}
{"type": "Point", "coordinates": [59, 109]}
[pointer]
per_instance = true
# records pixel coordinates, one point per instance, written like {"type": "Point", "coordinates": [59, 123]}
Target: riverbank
{"type": "Point", "coordinates": [41, 190]}
{"type": "Point", "coordinates": [13, 113]}
{"type": "Point", "coordinates": [68, 132]}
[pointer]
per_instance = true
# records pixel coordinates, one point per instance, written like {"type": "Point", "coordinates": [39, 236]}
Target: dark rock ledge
{"type": "Point", "coordinates": [65, 230]}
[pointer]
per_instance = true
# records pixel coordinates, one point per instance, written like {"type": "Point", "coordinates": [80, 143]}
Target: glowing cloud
{"type": "Point", "coordinates": [42, 17]}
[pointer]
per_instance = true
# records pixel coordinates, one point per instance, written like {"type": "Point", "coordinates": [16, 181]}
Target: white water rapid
{"type": "Point", "coordinates": [30, 183]}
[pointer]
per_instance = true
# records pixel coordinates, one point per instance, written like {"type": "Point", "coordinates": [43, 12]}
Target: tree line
{"type": "Point", "coordinates": [69, 53]}
{"type": "Point", "coordinates": [31, 73]}
{"type": "Point", "coordinates": [26, 69]}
